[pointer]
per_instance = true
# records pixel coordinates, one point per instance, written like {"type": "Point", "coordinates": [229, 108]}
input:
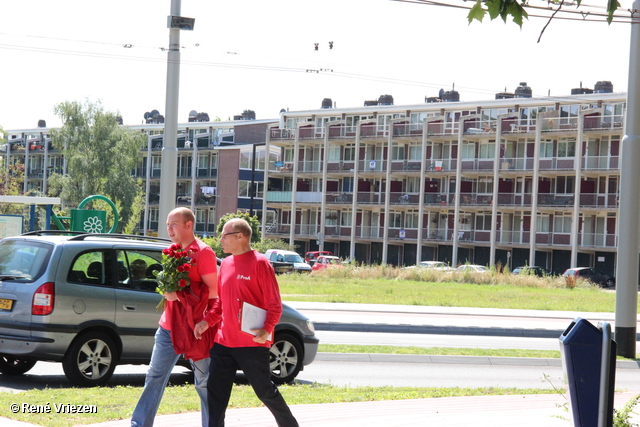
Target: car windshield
{"type": "Point", "coordinates": [23, 259]}
{"type": "Point", "coordinates": [432, 264]}
{"type": "Point", "coordinates": [293, 258]}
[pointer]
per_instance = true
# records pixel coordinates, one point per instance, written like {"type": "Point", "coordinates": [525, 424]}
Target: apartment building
{"type": "Point", "coordinates": [511, 181]}
{"type": "Point", "coordinates": [218, 165]}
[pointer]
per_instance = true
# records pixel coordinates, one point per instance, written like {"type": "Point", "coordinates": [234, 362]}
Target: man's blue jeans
{"type": "Point", "coordinates": [163, 359]}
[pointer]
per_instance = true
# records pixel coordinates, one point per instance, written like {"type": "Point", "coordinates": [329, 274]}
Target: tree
{"type": "Point", "coordinates": [100, 156]}
{"type": "Point", "coordinates": [256, 236]}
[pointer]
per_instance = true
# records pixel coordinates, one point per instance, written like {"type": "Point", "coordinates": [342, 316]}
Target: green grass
{"type": "Point", "coordinates": [390, 285]}
{"type": "Point", "coordinates": [118, 402]}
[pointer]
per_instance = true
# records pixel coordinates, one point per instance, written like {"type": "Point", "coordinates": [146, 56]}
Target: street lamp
{"type": "Point", "coordinates": [175, 22]}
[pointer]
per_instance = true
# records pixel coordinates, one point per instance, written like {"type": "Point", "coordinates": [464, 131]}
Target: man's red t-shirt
{"type": "Point", "coordinates": [248, 277]}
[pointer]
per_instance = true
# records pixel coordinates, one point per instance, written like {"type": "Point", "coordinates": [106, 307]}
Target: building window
{"type": "Point", "coordinates": [411, 219]}
{"type": "Point", "coordinates": [350, 152]}
{"type": "Point", "coordinates": [397, 151]}
{"type": "Point", "coordinates": [567, 147]}
{"type": "Point", "coordinates": [395, 219]}
{"type": "Point", "coordinates": [483, 221]}
{"type": "Point", "coordinates": [153, 214]}
{"type": "Point", "coordinates": [413, 184]}
{"type": "Point", "coordinates": [345, 218]}
{"type": "Point", "coordinates": [156, 166]}
{"type": "Point", "coordinates": [244, 189]}
{"type": "Point", "coordinates": [487, 150]}
{"type": "Point", "coordinates": [415, 152]}
{"type": "Point", "coordinates": [201, 216]}
{"type": "Point", "coordinates": [542, 223]}
{"type": "Point", "coordinates": [562, 223]}
{"type": "Point", "coordinates": [485, 186]}
{"type": "Point", "coordinates": [334, 153]}
{"type": "Point", "coordinates": [546, 148]}
{"type": "Point", "coordinates": [469, 150]}
{"type": "Point", "coordinates": [565, 184]}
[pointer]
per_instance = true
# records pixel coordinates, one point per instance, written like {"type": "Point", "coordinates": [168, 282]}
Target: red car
{"type": "Point", "coordinates": [325, 261]}
{"type": "Point", "coordinates": [311, 257]}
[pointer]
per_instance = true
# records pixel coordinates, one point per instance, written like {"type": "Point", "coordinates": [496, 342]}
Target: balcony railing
{"type": "Point", "coordinates": [407, 129]}
{"type": "Point", "coordinates": [600, 162]}
{"type": "Point", "coordinates": [281, 134]}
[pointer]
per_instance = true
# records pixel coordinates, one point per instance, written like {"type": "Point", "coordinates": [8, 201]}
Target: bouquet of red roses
{"type": "Point", "coordinates": [176, 264]}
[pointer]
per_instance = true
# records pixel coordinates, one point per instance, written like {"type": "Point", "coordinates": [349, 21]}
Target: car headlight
{"type": "Point", "coordinates": [310, 326]}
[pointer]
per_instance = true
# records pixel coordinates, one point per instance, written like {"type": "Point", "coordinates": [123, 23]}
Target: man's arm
{"type": "Point", "coordinates": [211, 280]}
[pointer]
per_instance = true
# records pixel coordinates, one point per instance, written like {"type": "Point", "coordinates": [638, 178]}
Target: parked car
{"type": "Point", "coordinates": [533, 270]}
{"type": "Point", "coordinates": [472, 268]}
{"type": "Point", "coordinates": [72, 298]}
{"type": "Point", "coordinates": [434, 265]}
{"type": "Point", "coordinates": [591, 274]}
{"type": "Point", "coordinates": [279, 255]}
{"type": "Point", "coordinates": [326, 261]}
{"type": "Point", "coordinates": [310, 257]}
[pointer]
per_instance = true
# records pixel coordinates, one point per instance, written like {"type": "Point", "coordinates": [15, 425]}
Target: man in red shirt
{"type": "Point", "coordinates": [183, 310]}
{"type": "Point", "coordinates": [246, 276]}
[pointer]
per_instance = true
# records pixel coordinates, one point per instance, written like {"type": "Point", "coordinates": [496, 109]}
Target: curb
{"type": "Point", "coordinates": [437, 330]}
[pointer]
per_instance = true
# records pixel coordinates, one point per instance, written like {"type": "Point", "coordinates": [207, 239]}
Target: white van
{"type": "Point", "coordinates": [279, 255]}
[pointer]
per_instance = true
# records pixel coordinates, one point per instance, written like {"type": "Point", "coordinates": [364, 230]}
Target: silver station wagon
{"type": "Point", "coordinates": [89, 301]}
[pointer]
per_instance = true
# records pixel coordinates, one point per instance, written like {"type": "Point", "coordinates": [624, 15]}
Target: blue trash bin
{"type": "Point", "coordinates": [590, 376]}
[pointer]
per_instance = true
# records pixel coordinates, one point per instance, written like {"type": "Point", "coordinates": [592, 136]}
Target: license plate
{"type": "Point", "coordinates": [5, 304]}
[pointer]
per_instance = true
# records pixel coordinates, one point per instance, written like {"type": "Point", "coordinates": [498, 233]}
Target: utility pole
{"type": "Point", "coordinates": [175, 22]}
{"type": "Point", "coordinates": [629, 210]}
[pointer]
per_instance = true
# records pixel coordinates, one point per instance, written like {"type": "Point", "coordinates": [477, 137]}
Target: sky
{"type": "Point", "coordinates": [254, 55]}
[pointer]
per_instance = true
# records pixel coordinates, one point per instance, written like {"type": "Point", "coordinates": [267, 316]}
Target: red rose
{"type": "Point", "coordinates": [192, 261]}
{"type": "Point", "coordinates": [180, 269]}
{"type": "Point", "coordinates": [175, 246]}
{"type": "Point", "coordinates": [185, 267]}
{"type": "Point", "coordinates": [167, 252]}
{"type": "Point", "coordinates": [182, 283]}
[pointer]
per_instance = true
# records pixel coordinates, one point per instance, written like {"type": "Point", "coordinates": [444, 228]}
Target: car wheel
{"type": "Point", "coordinates": [90, 360]}
{"type": "Point", "coordinates": [609, 283]}
{"type": "Point", "coordinates": [285, 358]}
{"type": "Point", "coordinates": [13, 366]}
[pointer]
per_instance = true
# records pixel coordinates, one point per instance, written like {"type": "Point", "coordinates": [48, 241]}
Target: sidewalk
{"type": "Point", "coordinates": [495, 411]}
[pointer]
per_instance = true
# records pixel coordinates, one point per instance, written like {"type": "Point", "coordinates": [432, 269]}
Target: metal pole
{"type": "Point", "coordinates": [169, 143]}
{"type": "Point", "coordinates": [145, 221]}
{"type": "Point", "coordinates": [629, 210]}
{"type": "Point", "coordinates": [605, 376]}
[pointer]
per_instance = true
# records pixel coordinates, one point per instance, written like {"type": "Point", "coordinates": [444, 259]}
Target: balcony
{"type": "Point", "coordinates": [555, 200]}
{"type": "Point", "coordinates": [586, 200]}
{"type": "Point", "coordinates": [277, 134]}
{"type": "Point", "coordinates": [407, 130]}
{"type": "Point", "coordinates": [600, 163]}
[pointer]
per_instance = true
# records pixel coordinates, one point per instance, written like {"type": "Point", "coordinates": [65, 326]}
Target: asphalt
{"type": "Point", "coordinates": [496, 411]}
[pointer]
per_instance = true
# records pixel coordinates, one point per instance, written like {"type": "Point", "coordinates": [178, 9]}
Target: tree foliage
{"type": "Point", "coordinates": [11, 181]}
{"type": "Point", "coordinates": [100, 156]}
{"type": "Point", "coordinates": [516, 9]}
{"type": "Point", "coordinates": [256, 236]}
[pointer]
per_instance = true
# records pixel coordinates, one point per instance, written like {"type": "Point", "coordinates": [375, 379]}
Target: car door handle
{"type": "Point", "coordinates": [129, 307]}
